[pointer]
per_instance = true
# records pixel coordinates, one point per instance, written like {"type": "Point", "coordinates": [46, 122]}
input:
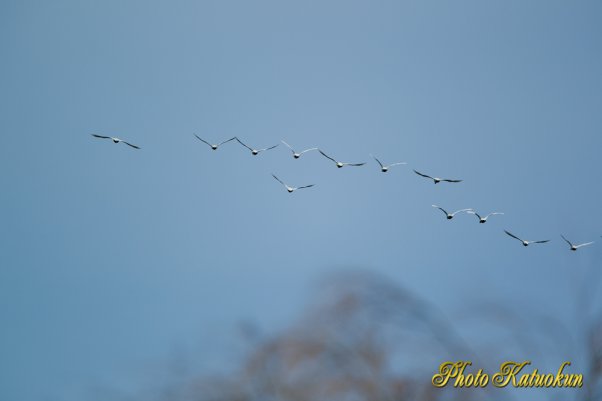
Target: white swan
{"type": "Point", "coordinates": [525, 242]}
{"type": "Point", "coordinates": [437, 180]}
{"type": "Point", "coordinates": [212, 145]}
{"type": "Point", "coordinates": [451, 215]}
{"type": "Point", "coordinates": [254, 152]}
{"type": "Point", "coordinates": [338, 163]}
{"type": "Point", "coordinates": [385, 168]}
{"type": "Point", "coordinates": [483, 219]}
{"type": "Point", "coordinates": [573, 246]}
{"type": "Point", "coordinates": [296, 154]}
{"type": "Point", "coordinates": [115, 140]}
{"type": "Point", "coordinates": [291, 189]}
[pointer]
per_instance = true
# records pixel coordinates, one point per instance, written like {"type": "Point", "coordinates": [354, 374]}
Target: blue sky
{"type": "Point", "coordinates": [111, 257]}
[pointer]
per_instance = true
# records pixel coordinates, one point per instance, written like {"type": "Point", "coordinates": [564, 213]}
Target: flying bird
{"type": "Point", "coordinates": [437, 180]}
{"type": "Point", "coordinates": [254, 152]}
{"type": "Point", "coordinates": [291, 189]}
{"type": "Point", "coordinates": [115, 140]}
{"type": "Point", "coordinates": [573, 246]}
{"type": "Point", "coordinates": [451, 215]}
{"type": "Point", "coordinates": [340, 164]}
{"type": "Point", "coordinates": [296, 154]}
{"type": "Point", "coordinates": [483, 219]}
{"type": "Point", "coordinates": [214, 146]}
{"type": "Point", "coordinates": [525, 242]}
{"type": "Point", "coordinates": [385, 168]}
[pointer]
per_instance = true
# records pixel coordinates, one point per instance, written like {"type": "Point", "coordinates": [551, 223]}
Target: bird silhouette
{"type": "Point", "coordinates": [451, 215]}
{"type": "Point", "coordinates": [115, 140]}
{"type": "Point", "coordinates": [254, 151]}
{"type": "Point", "coordinates": [437, 180]}
{"type": "Point", "coordinates": [214, 146]}
{"type": "Point", "coordinates": [296, 154]}
{"type": "Point", "coordinates": [289, 188]}
{"type": "Point", "coordinates": [574, 247]}
{"type": "Point", "coordinates": [338, 163]}
{"type": "Point", "coordinates": [385, 168]}
{"type": "Point", "coordinates": [525, 242]}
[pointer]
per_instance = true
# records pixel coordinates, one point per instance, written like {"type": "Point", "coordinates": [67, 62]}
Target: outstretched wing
{"type": "Point", "coordinates": [460, 211]}
{"type": "Point", "coordinates": [326, 156]}
{"type": "Point", "coordinates": [226, 141]}
{"type": "Point", "coordinates": [239, 141]}
{"type": "Point", "coordinates": [567, 241]}
{"type": "Point", "coordinates": [100, 136]}
{"type": "Point", "coordinates": [440, 208]}
{"type": "Point", "coordinates": [279, 180]}
{"type": "Point", "coordinates": [423, 175]}
{"type": "Point", "coordinates": [476, 214]}
{"type": "Point", "coordinates": [586, 244]}
{"type": "Point", "coordinates": [264, 149]}
{"type": "Point", "coordinates": [271, 147]}
{"type": "Point", "coordinates": [397, 164]}
{"type": "Point", "coordinates": [354, 164]}
{"type": "Point", "coordinates": [306, 186]}
{"type": "Point", "coordinates": [446, 180]}
{"type": "Point", "coordinates": [541, 242]}
{"type": "Point", "coordinates": [288, 146]}
{"type": "Point", "coordinates": [513, 236]}
{"type": "Point", "coordinates": [308, 150]}
{"type": "Point", "coordinates": [202, 140]}
{"type": "Point", "coordinates": [129, 144]}
{"type": "Point", "coordinates": [493, 214]}
{"type": "Point", "coordinates": [378, 161]}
